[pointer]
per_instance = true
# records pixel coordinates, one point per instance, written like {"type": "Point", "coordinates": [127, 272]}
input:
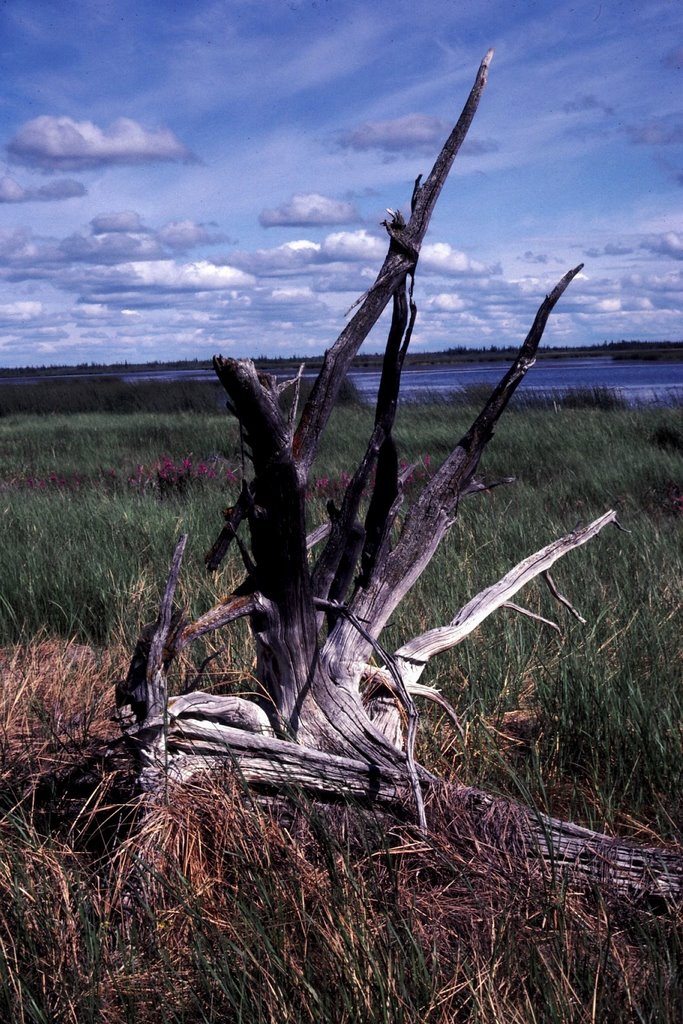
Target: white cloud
{"type": "Point", "coordinates": [611, 249]}
{"type": "Point", "coordinates": [536, 257]}
{"type": "Point", "coordinates": [94, 310]}
{"type": "Point", "coordinates": [411, 132]}
{"type": "Point", "coordinates": [287, 258]}
{"type": "Point", "coordinates": [115, 247]}
{"type": "Point", "coordinates": [16, 244]}
{"type": "Point", "coordinates": [185, 234]}
{"type": "Point", "coordinates": [440, 257]}
{"type": "Point", "coordinates": [353, 245]}
{"type": "Point", "coordinates": [607, 306]}
{"type": "Point", "coordinates": [60, 143]}
{"type": "Point", "coordinates": [21, 310]}
{"type": "Point", "coordinates": [124, 220]}
{"type": "Point", "coordinates": [310, 208]}
{"type": "Point", "coordinates": [198, 276]}
{"type": "Point", "coordinates": [292, 294]}
{"type": "Point", "coordinates": [669, 243]}
{"type": "Point", "coordinates": [302, 255]}
{"type": "Point", "coordinates": [445, 302]}
{"type": "Point", "coordinates": [12, 192]}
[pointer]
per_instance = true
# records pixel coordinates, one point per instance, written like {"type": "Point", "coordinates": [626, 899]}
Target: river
{"type": "Point", "coordinates": [636, 381]}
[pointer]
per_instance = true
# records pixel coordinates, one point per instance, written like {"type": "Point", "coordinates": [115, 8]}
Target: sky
{"type": "Point", "coordinates": [184, 179]}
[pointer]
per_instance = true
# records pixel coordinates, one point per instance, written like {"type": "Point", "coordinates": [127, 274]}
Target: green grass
{"type": "Point", "coordinates": [240, 917]}
{"type": "Point", "coordinates": [109, 394]}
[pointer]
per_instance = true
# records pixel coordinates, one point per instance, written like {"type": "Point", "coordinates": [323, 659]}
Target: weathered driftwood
{"type": "Point", "coordinates": [330, 722]}
{"type": "Point", "coordinates": [202, 732]}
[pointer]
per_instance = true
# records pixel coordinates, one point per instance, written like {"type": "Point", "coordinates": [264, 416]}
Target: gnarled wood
{"type": "Point", "coordinates": [415, 654]}
{"type": "Point", "coordinates": [401, 259]}
{"type": "Point", "coordinates": [317, 611]}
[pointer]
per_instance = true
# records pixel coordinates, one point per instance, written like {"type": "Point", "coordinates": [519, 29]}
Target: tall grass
{"type": "Point", "coordinates": [108, 394]}
{"type": "Point", "coordinates": [213, 908]}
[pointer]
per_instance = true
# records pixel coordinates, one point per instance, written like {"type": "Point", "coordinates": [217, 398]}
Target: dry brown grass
{"type": "Point", "coordinates": [209, 907]}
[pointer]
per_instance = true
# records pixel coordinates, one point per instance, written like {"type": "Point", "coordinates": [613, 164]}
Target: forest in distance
{"type": "Point", "coordinates": [623, 349]}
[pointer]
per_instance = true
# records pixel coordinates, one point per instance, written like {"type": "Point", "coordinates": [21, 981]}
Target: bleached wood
{"type": "Point", "coordinates": [233, 607]}
{"type": "Point", "coordinates": [552, 586]}
{"type": "Point", "coordinates": [400, 260]}
{"type": "Point", "coordinates": [378, 678]}
{"type": "Point", "coordinates": [417, 652]}
{"type": "Point", "coordinates": [326, 742]}
{"type": "Point", "coordinates": [564, 848]}
{"type": "Point", "coordinates": [155, 676]}
{"type": "Point", "coordinates": [531, 615]}
{"type": "Point", "coordinates": [226, 710]}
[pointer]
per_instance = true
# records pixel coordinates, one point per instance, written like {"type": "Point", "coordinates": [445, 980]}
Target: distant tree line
{"type": "Point", "coordinates": [630, 348]}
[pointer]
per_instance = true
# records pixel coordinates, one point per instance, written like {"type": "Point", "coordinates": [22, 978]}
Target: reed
{"type": "Point", "coordinates": [213, 908]}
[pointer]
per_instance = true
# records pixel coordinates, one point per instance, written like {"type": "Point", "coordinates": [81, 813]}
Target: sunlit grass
{"type": "Point", "coordinates": [211, 910]}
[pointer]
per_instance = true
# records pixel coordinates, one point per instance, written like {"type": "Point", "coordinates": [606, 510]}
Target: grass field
{"type": "Point", "coordinates": [249, 919]}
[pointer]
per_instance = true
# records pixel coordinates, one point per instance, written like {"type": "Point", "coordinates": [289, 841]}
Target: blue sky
{"type": "Point", "coordinates": [180, 179]}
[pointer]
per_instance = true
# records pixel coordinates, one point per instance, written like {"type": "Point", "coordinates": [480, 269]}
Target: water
{"type": "Point", "coordinates": [633, 380]}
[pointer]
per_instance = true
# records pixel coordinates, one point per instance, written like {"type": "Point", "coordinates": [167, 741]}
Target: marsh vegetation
{"type": "Point", "coordinates": [264, 919]}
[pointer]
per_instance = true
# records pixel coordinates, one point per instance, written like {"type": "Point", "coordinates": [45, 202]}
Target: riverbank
{"type": "Point", "coordinates": [650, 351]}
{"type": "Point", "coordinates": [559, 383]}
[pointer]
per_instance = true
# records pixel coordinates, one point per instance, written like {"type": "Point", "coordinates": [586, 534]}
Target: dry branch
{"type": "Point", "coordinates": [417, 652]}
{"type": "Point", "coordinates": [401, 259]}
{"type": "Point", "coordinates": [316, 625]}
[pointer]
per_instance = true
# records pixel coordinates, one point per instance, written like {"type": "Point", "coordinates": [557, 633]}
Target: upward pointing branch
{"type": "Point", "coordinates": [404, 249]}
{"type": "Point", "coordinates": [425, 196]}
{"type": "Point", "coordinates": [430, 517]}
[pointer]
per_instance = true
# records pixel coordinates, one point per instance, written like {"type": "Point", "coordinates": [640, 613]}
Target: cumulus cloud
{"type": "Point", "coordinates": [168, 275]}
{"type": "Point", "coordinates": [293, 296]}
{"type": "Point", "coordinates": [607, 306]}
{"type": "Point", "coordinates": [66, 188]}
{"type": "Point", "coordinates": [125, 220]}
{"type": "Point", "coordinates": [345, 259]}
{"type": "Point", "coordinates": [60, 143]}
{"type": "Point", "coordinates": [310, 208]}
{"type": "Point", "coordinates": [283, 259]}
{"type": "Point", "coordinates": [402, 134]}
{"type": "Point", "coordinates": [611, 249]}
{"type": "Point", "coordinates": [20, 311]}
{"type": "Point", "coordinates": [185, 234]}
{"type": "Point", "coordinates": [91, 310]}
{"type": "Point", "coordinates": [670, 243]}
{"type": "Point", "coordinates": [353, 245]}
{"type": "Point", "coordinates": [440, 257]}
{"type": "Point", "coordinates": [535, 257]}
{"type": "Point", "coordinates": [122, 237]}
{"type": "Point", "coordinates": [109, 248]}
{"type": "Point", "coordinates": [446, 302]}
{"type": "Point", "coordinates": [16, 244]}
